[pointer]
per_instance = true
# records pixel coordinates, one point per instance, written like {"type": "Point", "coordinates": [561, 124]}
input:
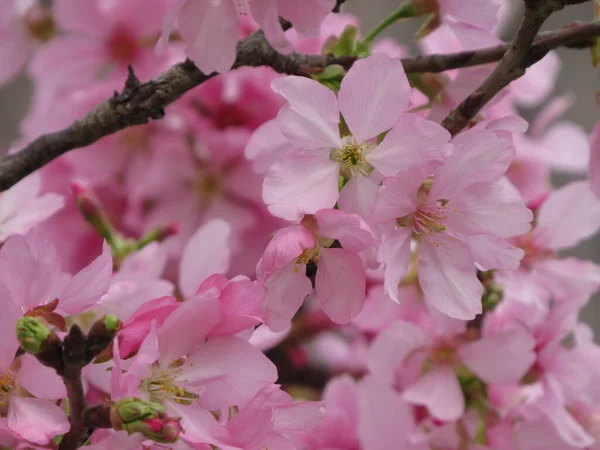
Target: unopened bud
{"type": "Point", "coordinates": [31, 334]}
{"type": "Point", "coordinates": [93, 212]}
{"type": "Point", "coordinates": [36, 338]}
{"type": "Point", "coordinates": [100, 336]}
{"type": "Point", "coordinates": [149, 418]}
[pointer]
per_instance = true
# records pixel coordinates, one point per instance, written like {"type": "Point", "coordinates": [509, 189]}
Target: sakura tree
{"type": "Point", "coordinates": [254, 225]}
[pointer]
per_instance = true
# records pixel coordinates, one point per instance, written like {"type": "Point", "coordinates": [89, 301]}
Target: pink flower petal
{"type": "Point", "coordinates": [594, 171]}
{"type": "Point", "coordinates": [286, 245]}
{"type": "Point", "coordinates": [392, 347]}
{"type": "Point", "coordinates": [188, 326]}
{"type": "Point", "coordinates": [286, 290]}
{"type": "Point", "coordinates": [36, 420]}
{"type": "Point", "coordinates": [386, 420]}
{"type": "Point", "coordinates": [88, 285]}
{"type": "Point", "coordinates": [210, 32]}
{"type": "Point", "coordinates": [340, 284]}
{"type": "Point", "coordinates": [479, 156]}
{"type": "Point", "coordinates": [358, 196]}
{"type": "Point", "coordinates": [569, 215]}
{"type": "Point", "coordinates": [413, 143]}
{"type": "Point", "coordinates": [395, 254]}
{"type": "Point", "coordinates": [504, 358]}
{"type": "Point", "coordinates": [83, 17]}
{"type": "Point", "coordinates": [267, 145]}
{"type": "Point", "coordinates": [352, 231]}
{"type": "Point", "coordinates": [301, 184]}
{"type": "Point", "coordinates": [448, 277]}
{"type": "Point", "coordinates": [306, 16]}
{"type": "Point", "coordinates": [397, 197]}
{"type": "Point", "coordinates": [311, 118]}
{"type": "Point", "coordinates": [40, 380]}
{"type": "Point", "coordinates": [207, 252]}
{"type": "Point", "coordinates": [373, 95]}
{"type": "Point", "coordinates": [230, 371]}
{"type": "Point", "coordinates": [492, 252]}
{"type": "Point", "coordinates": [440, 392]}
{"type": "Point", "coordinates": [200, 426]}
{"type": "Point", "coordinates": [266, 13]}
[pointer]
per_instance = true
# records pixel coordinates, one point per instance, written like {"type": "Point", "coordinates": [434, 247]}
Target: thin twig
{"type": "Point", "coordinates": [77, 405]}
{"type": "Point", "coordinates": [511, 67]}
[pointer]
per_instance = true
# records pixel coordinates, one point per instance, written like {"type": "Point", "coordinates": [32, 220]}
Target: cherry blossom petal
{"type": "Point", "coordinates": [392, 347]}
{"type": "Point", "coordinates": [340, 284]}
{"type": "Point", "coordinates": [210, 31]}
{"type": "Point", "coordinates": [188, 326]}
{"type": "Point", "coordinates": [82, 17]}
{"type": "Point", "coordinates": [448, 278]}
{"type": "Point", "coordinates": [413, 144]}
{"type": "Point", "coordinates": [488, 356]}
{"type": "Point", "coordinates": [492, 252]}
{"type": "Point", "coordinates": [36, 420]}
{"type": "Point", "coordinates": [352, 231]}
{"type": "Point", "coordinates": [478, 156]}
{"type": "Point", "coordinates": [358, 196]}
{"type": "Point", "coordinates": [230, 371]}
{"type": "Point", "coordinates": [384, 416]}
{"type": "Point", "coordinates": [395, 254]}
{"type": "Point", "coordinates": [539, 81]}
{"type": "Point", "coordinates": [301, 184]}
{"type": "Point", "coordinates": [207, 252]}
{"type": "Point", "coordinates": [397, 197]}
{"type": "Point", "coordinates": [306, 16]}
{"type": "Point", "coordinates": [567, 279]}
{"type": "Point", "coordinates": [286, 290]}
{"type": "Point", "coordinates": [267, 145]}
{"type": "Point", "coordinates": [311, 118]}
{"type": "Point", "coordinates": [372, 95]}
{"type": "Point", "coordinates": [594, 170]}
{"type": "Point", "coordinates": [200, 426]}
{"type": "Point", "coordinates": [286, 245]}
{"type": "Point", "coordinates": [29, 267]}
{"type": "Point", "coordinates": [494, 208]}
{"type": "Point", "coordinates": [566, 135]}
{"type": "Point", "coordinates": [266, 13]}
{"type": "Point", "coordinates": [31, 374]}
{"type": "Point", "coordinates": [440, 392]}
{"type": "Point", "coordinates": [569, 215]}
{"type": "Point", "coordinates": [88, 285]}
{"type": "Point", "coordinates": [168, 24]}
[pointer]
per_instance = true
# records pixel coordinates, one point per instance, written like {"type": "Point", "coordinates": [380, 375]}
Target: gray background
{"type": "Point", "coordinates": [577, 76]}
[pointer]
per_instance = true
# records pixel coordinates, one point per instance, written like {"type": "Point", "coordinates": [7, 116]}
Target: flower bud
{"type": "Point", "coordinates": [139, 416]}
{"type": "Point", "coordinates": [101, 335]}
{"type": "Point", "coordinates": [31, 334]}
{"type": "Point", "coordinates": [93, 212]}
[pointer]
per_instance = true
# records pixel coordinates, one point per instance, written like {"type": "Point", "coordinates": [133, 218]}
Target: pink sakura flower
{"type": "Point", "coordinates": [180, 368]}
{"type": "Point", "coordinates": [23, 25]}
{"type": "Point", "coordinates": [460, 217]}
{"type": "Point", "coordinates": [594, 170]}
{"type": "Point", "coordinates": [31, 417]}
{"type": "Point", "coordinates": [372, 97]}
{"type": "Point", "coordinates": [100, 36]}
{"type": "Point", "coordinates": [399, 355]}
{"type": "Point", "coordinates": [339, 427]}
{"type": "Point", "coordinates": [568, 216]}
{"type": "Point", "coordinates": [210, 29]}
{"type": "Point", "coordinates": [22, 207]}
{"type": "Point", "coordinates": [340, 279]}
{"type": "Point", "coordinates": [31, 270]}
{"type": "Point", "coordinates": [272, 420]}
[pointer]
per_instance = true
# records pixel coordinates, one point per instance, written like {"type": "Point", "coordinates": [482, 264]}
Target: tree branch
{"type": "Point", "coordinates": [511, 67]}
{"type": "Point", "coordinates": [140, 102]}
{"type": "Point", "coordinates": [578, 35]}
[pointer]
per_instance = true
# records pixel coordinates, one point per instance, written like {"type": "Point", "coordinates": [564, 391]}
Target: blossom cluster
{"type": "Point", "coordinates": [286, 262]}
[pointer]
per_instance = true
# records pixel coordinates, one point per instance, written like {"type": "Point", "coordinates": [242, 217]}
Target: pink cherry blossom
{"type": "Point", "coordinates": [340, 279]}
{"type": "Point", "coordinates": [371, 100]}
{"type": "Point", "coordinates": [466, 197]}
{"type": "Point", "coordinates": [594, 171]}
{"type": "Point", "coordinates": [201, 22]}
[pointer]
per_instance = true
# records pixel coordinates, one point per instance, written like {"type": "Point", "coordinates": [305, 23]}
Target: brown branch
{"type": "Point", "coordinates": [578, 35]}
{"type": "Point", "coordinates": [77, 405]}
{"type": "Point", "coordinates": [140, 102]}
{"type": "Point", "coordinates": [512, 65]}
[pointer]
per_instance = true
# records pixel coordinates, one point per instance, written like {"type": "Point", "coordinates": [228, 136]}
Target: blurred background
{"type": "Point", "coordinates": [577, 76]}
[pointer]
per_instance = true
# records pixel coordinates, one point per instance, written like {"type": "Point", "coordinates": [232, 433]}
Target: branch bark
{"type": "Point", "coordinates": [141, 102]}
{"type": "Point", "coordinates": [512, 66]}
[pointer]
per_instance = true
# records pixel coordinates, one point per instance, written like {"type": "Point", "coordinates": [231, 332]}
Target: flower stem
{"type": "Point", "coordinates": [404, 11]}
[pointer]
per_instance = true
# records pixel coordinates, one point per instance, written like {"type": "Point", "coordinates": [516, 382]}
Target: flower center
{"type": "Point", "coordinates": [122, 46]}
{"type": "Point", "coordinates": [161, 385]}
{"type": "Point", "coordinates": [39, 23]}
{"type": "Point", "coordinates": [352, 158]}
{"type": "Point", "coordinates": [428, 219]}
{"type": "Point", "coordinates": [8, 383]}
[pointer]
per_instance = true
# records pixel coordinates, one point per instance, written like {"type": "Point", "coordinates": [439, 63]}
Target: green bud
{"type": "Point", "coordinates": [129, 410]}
{"type": "Point", "coordinates": [31, 334]}
{"type": "Point", "coordinates": [112, 322]}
